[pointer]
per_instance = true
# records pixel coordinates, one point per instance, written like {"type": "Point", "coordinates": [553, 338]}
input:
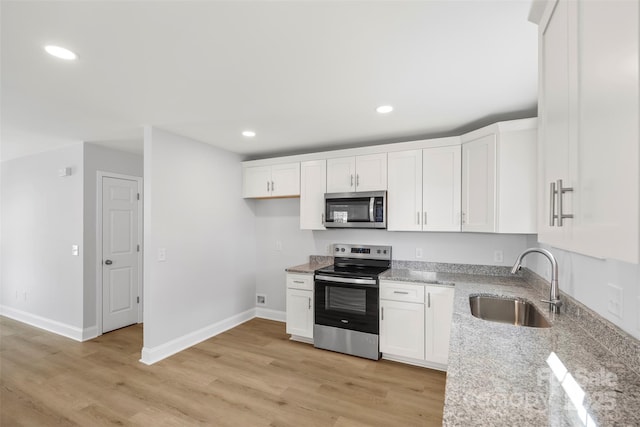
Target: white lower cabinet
{"type": "Point", "coordinates": [437, 323]}
{"type": "Point", "coordinates": [415, 323]}
{"type": "Point", "coordinates": [396, 337]}
{"type": "Point", "coordinates": [300, 306]}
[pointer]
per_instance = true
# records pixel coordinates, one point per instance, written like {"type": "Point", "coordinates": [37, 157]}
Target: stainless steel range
{"type": "Point", "coordinates": [346, 300]}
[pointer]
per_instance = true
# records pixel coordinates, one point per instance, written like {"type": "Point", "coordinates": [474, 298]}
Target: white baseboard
{"type": "Point", "coordinates": [415, 362]}
{"type": "Point", "coordinates": [90, 333]}
{"type": "Point", "coordinates": [156, 354]}
{"type": "Point", "coordinates": [54, 326]}
{"type": "Point", "coordinates": [269, 314]}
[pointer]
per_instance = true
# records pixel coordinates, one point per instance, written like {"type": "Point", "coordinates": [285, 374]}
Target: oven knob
{"type": "Point", "coordinates": [385, 251]}
{"type": "Point", "coordinates": [337, 249]}
{"type": "Point", "coordinates": [342, 249]}
{"type": "Point", "coordinates": [378, 250]}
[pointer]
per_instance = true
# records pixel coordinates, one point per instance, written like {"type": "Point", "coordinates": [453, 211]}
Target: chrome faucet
{"type": "Point", "coordinates": [554, 293]}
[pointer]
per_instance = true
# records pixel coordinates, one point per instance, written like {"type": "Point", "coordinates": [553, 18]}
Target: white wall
{"type": "Point", "coordinates": [586, 279]}
{"type": "Point", "coordinates": [42, 217]}
{"type": "Point", "coordinates": [98, 158]}
{"type": "Point", "coordinates": [278, 220]}
{"type": "Point", "coordinates": [193, 208]}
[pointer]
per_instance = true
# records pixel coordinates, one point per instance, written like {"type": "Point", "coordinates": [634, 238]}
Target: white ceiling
{"type": "Point", "coordinates": [305, 75]}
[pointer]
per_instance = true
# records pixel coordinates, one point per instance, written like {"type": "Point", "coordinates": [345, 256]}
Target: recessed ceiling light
{"type": "Point", "coordinates": [60, 52]}
{"type": "Point", "coordinates": [249, 133]}
{"type": "Point", "coordinates": [384, 109]}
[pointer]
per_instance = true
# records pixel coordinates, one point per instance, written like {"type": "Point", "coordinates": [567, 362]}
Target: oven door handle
{"type": "Point", "coordinates": [348, 280]}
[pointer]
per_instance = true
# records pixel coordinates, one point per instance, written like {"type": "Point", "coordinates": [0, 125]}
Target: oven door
{"type": "Point", "coordinates": [347, 303]}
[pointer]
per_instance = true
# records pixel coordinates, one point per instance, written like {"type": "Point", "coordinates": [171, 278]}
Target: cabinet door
{"type": "Point", "coordinates": [313, 185]}
{"type": "Point", "coordinates": [341, 175]}
{"type": "Point", "coordinates": [555, 120]}
{"type": "Point", "coordinates": [438, 316]}
{"type": "Point", "coordinates": [256, 181]}
{"type": "Point", "coordinates": [371, 172]}
{"type": "Point", "coordinates": [404, 199]}
{"type": "Point", "coordinates": [285, 180]}
{"type": "Point", "coordinates": [441, 186]}
{"type": "Point", "coordinates": [479, 184]}
{"type": "Point", "coordinates": [300, 313]}
{"type": "Point", "coordinates": [607, 180]}
{"type": "Point", "coordinates": [402, 329]}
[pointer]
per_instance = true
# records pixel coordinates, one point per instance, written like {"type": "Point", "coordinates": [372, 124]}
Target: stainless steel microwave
{"type": "Point", "coordinates": [356, 210]}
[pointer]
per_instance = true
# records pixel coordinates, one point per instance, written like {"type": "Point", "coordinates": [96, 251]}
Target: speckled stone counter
{"type": "Point", "coordinates": [313, 264]}
{"type": "Point", "coordinates": [505, 375]}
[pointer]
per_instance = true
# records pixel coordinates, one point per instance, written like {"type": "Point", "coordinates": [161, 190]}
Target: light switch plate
{"type": "Point", "coordinates": [75, 250]}
{"type": "Point", "coordinates": [498, 256]}
{"type": "Point", "coordinates": [162, 254]}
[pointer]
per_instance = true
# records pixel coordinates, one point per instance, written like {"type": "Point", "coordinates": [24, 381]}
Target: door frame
{"type": "Point", "coordinates": [99, 301]}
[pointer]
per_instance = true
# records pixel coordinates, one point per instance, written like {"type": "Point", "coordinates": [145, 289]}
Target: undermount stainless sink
{"type": "Point", "coordinates": [515, 311]}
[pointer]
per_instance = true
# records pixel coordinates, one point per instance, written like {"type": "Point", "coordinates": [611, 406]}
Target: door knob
{"type": "Point", "coordinates": [108, 262]}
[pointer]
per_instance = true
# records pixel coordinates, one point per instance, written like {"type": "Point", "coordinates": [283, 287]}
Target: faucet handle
{"type": "Point", "coordinates": [555, 303]}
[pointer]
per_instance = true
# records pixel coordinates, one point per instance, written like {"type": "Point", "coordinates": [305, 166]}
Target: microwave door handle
{"type": "Point", "coordinates": [371, 201]}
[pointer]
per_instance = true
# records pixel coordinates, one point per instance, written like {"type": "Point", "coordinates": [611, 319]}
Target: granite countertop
{"type": "Point", "coordinates": [505, 375]}
{"type": "Point", "coordinates": [309, 267]}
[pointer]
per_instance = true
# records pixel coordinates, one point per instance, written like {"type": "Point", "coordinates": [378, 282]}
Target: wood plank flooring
{"type": "Point", "coordinates": [252, 375]}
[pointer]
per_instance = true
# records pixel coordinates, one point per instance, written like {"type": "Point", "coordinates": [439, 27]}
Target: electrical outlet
{"type": "Point", "coordinates": [162, 254]}
{"type": "Point", "coordinates": [75, 250]}
{"type": "Point", "coordinates": [614, 300]}
{"type": "Point", "coordinates": [418, 252]}
{"type": "Point", "coordinates": [261, 299]}
{"type": "Point", "coordinates": [498, 256]}
{"type": "Point", "coordinates": [278, 245]}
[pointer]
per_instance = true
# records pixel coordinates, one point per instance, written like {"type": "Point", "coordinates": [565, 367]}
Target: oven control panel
{"type": "Point", "coordinates": [362, 251]}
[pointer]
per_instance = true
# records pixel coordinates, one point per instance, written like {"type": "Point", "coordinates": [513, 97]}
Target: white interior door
{"type": "Point", "coordinates": [120, 252]}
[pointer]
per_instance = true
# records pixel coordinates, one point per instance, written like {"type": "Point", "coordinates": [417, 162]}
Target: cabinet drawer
{"type": "Point", "coordinates": [300, 281]}
{"type": "Point", "coordinates": [401, 291]}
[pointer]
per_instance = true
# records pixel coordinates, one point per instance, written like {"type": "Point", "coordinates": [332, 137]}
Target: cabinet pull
{"type": "Point", "coordinates": [267, 186]}
{"type": "Point", "coordinates": [273, 187]}
{"type": "Point", "coordinates": [309, 303]}
{"type": "Point", "coordinates": [382, 315]}
{"type": "Point", "coordinates": [418, 217]}
{"type": "Point", "coordinates": [552, 204]}
{"type": "Point", "coordinates": [298, 281]}
{"type": "Point", "coordinates": [429, 300]}
{"type": "Point", "coordinates": [424, 221]}
{"type": "Point", "coordinates": [357, 180]}
{"type": "Point", "coordinates": [560, 191]}
{"type": "Point", "coordinates": [322, 218]}
{"type": "Point", "coordinates": [351, 180]}
{"type": "Point", "coordinates": [401, 292]}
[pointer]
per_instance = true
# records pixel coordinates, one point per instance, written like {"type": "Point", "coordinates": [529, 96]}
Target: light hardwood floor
{"type": "Point", "coordinates": [251, 375]}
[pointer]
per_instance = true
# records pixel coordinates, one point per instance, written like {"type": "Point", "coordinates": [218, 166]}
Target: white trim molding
{"type": "Point", "coordinates": [156, 354]}
{"type": "Point", "coordinates": [269, 314]}
{"type": "Point", "coordinates": [73, 332]}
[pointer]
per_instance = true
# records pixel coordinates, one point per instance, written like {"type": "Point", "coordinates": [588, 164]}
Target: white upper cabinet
{"type": "Point", "coordinates": [359, 173]}
{"type": "Point", "coordinates": [313, 185]}
{"type": "Point", "coordinates": [441, 188]}
{"type": "Point", "coordinates": [499, 178]}
{"type": "Point", "coordinates": [404, 196]}
{"type": "Point", "coordinates": [424, 189]}
{"type": "Point", "coordinates": [589, 102]}
{"type": "Point", "coordinates": [479, 184]}
{"type": "Point", "coordinates": [282, 180]}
